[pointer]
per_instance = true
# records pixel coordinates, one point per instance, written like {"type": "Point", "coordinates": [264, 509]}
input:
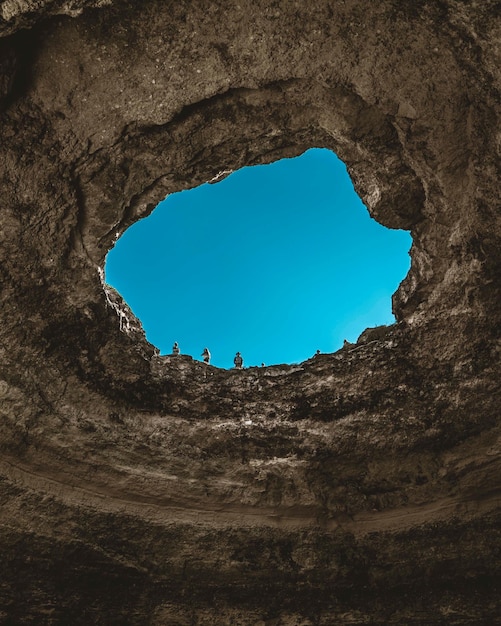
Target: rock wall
{"type": "Point", "coordinates": [357, 487]}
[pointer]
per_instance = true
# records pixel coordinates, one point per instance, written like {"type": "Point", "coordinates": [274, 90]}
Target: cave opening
{"type": "Point", "coordinates": [275, 261]}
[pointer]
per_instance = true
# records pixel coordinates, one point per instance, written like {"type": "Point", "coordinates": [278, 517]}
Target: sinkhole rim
{"type": "Point", "coordinates": [362, 327]}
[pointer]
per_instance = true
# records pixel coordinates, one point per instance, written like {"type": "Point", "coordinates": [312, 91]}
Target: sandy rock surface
{"type": "Point", "coordinates": [361, 487]}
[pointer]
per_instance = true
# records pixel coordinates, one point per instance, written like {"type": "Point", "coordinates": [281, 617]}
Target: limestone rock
{"type": "Point", "coordinates": [357, 487]}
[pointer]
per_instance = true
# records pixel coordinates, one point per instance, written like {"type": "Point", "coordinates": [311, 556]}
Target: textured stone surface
{"type": "Point", "coordinates": [358, 487]}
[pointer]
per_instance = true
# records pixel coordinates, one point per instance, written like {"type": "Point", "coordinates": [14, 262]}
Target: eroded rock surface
{"type": "Point", "coordinates": [358, 487]}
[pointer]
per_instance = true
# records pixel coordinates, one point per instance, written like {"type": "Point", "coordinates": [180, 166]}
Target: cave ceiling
{"type": "Point", "coordinates": [357, 487]}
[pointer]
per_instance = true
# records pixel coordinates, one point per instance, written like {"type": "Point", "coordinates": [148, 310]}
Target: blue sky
{"type": "Point", "coordinates": [275, 261]}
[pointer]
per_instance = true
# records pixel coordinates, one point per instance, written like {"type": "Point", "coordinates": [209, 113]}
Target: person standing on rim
{"type": "Point", "coordinates": [238, 361]}
{"type": "Point", "coordinates": [206, 355]}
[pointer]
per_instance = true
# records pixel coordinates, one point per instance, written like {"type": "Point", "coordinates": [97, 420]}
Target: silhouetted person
{"type": "Point", "coordinates": [206, 355]}
{"type": "Point", "coordinates": [238, 361]}
{"type": "Point", "coordinates": [175, 349]}
{"type": "Point", "coordinates": [317, 352]}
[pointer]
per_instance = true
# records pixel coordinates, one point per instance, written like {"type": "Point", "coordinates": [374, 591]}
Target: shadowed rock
{"type": "Point", "coordinates": [357, 487]}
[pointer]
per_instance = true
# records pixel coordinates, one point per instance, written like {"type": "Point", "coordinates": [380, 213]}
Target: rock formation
{"type": "Point", "coordinates": [358, 487]}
